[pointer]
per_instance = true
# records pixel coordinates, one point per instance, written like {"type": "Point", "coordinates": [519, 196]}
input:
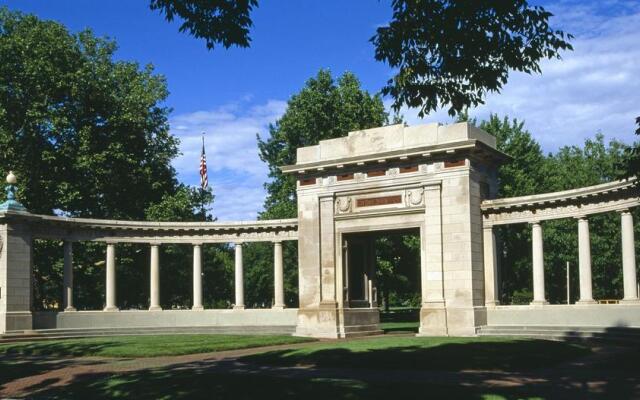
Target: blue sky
{"type": "Point", "coordinates": [234, 94]}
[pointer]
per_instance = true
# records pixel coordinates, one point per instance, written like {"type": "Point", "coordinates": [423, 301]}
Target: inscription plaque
{"type": "Point", "coordinates": [379, 201]}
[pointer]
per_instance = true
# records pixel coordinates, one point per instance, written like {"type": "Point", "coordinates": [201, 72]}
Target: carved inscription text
{"type": "Point", "coordinates": [379, 201]}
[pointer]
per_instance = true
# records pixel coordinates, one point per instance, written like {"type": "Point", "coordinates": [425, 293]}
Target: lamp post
{"type": "Point", "coordinates": [11, 204]}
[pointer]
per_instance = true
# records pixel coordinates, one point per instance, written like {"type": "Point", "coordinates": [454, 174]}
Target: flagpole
{"type": "Point", "coordinates": [204, 216]}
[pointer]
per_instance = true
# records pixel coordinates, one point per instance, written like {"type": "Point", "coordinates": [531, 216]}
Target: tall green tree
{"type": "Point", "coordinates": [87, 136]}
{"type": "Point", "coordinates": [323, 109]}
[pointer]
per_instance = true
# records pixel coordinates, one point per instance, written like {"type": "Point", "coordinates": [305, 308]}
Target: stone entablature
{"type": "Point", "coordinates": [86, 229]}
{"type": "Point", "coordinates": [574, 203]}
{"type": "Point", "coordinates": [391, 146]}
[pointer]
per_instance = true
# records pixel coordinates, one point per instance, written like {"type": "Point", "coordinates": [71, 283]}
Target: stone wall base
{"type": "Point", "coordinates": [16, 321]}
{"type": "Point", "coordinates": [596, 315]}
{"type": "Point", "coordinates": [329, 322]}
{"type": "Point", "coordinates": [451, 321]}
{"type": "Point", "coordinates": [161, 319]}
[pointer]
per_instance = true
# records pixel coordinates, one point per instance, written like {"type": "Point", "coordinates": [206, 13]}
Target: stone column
{"type": "Point", "coordinates": [111, 278]}
{"type": "Point", "coordinates": [328, 297]}
{"type": "Point", "coordinates": [433, 319]}
{"type": "Point", "coordinates": [584, 262]}
{"type": "Point", "coordinates": [68, 277]}
{"type": "Point", "coordinates": [197, 277]}
{"type": "Point", "coordinates": [239, 279]}
{"type": "Point", "coordinates": [278, 276]}
{"type": "Point", "coordinates": [490, 267]}
{"type": "Point", "coordinates": [155, 279]}
{"type": "Point", "coordinates": [628, 257]}
{"type": "Point", "coordinates": [538, 264]}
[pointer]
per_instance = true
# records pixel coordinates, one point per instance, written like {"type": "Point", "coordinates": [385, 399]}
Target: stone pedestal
{"type": "Point", "coordinates": [15, 278]}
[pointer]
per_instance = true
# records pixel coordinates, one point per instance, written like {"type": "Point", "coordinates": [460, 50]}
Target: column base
{"type": "Point", "coordinates": [278, 308]}
{"type": "Point", "coordinates": [70, 309]}
{"type": "Point", "coordinates": [630, 301]}
{"type": "Point", "coordinates": [238, 307]}
{"type": "Point", "coordinates": [539, 303]}
{"type": "Point", "coordinates": [492, 303]}
{"type": "Point", "coordinates": [155, 308]}
{"type": "Point", "coordinates": [111, 309]}
{"type": "Point", "coordinates": [433, 319]}
{"type": "Point", "coordinates": [197, 308]}
{"type": "Point", "coordinates": [586, 302]}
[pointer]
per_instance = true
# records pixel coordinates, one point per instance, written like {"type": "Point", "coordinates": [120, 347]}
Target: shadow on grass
{"type": "Point", "coordinates": [70, 347]}
{"type": "Point", "coordinates": [505, 355]}
{"type": "Point", "coordinates": [198, 381]}
{"type": "Point", "coordinates": [20, 360]}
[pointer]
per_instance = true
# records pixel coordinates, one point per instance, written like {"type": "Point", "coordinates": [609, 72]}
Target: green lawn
{"type": "Point", "coordinates": [433, 353]}
{"type": "Point", "coordinates": [397, 327]}
{"type": "Point", "coordinates": [144, 346]}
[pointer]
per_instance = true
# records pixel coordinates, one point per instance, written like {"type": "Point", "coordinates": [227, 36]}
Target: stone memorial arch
{"type": "Point", "coordinates": [436, 181]}
{"type": "Point", "coordinates": [428, 178]}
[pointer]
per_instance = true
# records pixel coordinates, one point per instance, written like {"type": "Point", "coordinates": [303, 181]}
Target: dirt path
{"type": "Point", "coordinates": [63, 371]}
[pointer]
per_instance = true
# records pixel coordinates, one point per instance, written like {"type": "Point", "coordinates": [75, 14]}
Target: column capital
{"type": "Point", "coordinates": [197, 244]}
{"type": "Point", "coordinates": [535, 222]}
{"type": "Point", "coordinates": [582, 217]}
{"type": "Point", "coordinates": [277, 242]}
{"type": "Point", "coordinates": [487, 227]}
{"type": "Point", "coordinates": [238, 244]}
{"type": "Point", "coordinates": [624, 211]}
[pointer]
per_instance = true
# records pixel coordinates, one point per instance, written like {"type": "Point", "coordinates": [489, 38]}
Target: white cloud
{"type": "Point", "coordinates": [235, 170]}
{"type": "Point", "coordinates": [594, 88]}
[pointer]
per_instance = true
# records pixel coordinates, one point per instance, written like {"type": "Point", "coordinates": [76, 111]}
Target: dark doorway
{"type": "Point", "coordinates": [382, 270]}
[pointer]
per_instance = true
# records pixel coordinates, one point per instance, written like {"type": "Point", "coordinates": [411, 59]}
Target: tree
{"type": "Point", "coordinates": [631, 164]}
{"type": "Point", "coordinates": [225, 22]}
{"type": "Point", "coordinates": [87, 136]}
{"type": "Point", "coordinates": [322, 110]}
{"type": "Point", "coordinates": [452, 52]}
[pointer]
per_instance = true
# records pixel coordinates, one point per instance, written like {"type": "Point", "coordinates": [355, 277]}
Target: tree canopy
{"type": "Point", "coordinates": [87, 135]}
{"type": "Point", "coordinates": [225, 22]}
{"type": "Point", "coordinates": [450, 53]}
{"type": "Point", "coordinates": [323, 109]}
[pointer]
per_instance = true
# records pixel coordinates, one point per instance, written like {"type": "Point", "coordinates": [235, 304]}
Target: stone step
{"type": "Point", "coordinates": [617, 335]}
{"type": "Point", "coordinates": [562, 328]}
{"type": "Point", "coordinates": [44, 334]}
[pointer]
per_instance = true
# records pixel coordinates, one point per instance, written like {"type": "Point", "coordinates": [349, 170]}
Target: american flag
{"type": "Point", "coordinates": [204, 179]}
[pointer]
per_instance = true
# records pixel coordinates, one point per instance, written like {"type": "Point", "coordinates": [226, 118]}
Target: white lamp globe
{"type": "Point", "coordinates": [11, 178]}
